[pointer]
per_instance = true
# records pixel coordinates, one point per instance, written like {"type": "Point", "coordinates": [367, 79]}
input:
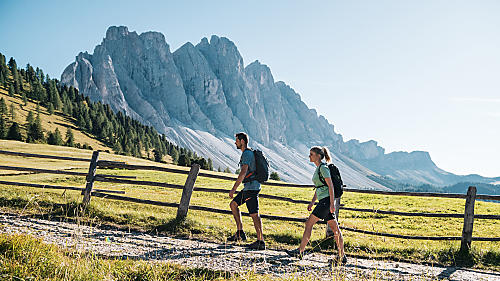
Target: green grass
{"type": "Point", "coordinates": [26, 258]}
{"type": "Point", "coordinates": [216, 227]}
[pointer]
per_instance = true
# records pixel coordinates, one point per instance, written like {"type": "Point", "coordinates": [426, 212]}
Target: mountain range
{"type": "Point", "coordinates": [200, 95]}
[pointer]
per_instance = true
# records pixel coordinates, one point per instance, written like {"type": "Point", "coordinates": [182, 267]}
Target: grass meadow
{"type": "Point", "coordinates": [216, 227]}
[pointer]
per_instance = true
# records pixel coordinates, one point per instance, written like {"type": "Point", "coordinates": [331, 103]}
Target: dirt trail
{"type": "Point", "coordinates": [227, 257]}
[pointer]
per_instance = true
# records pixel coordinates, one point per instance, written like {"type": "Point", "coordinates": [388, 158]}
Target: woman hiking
{"type": "Point", "coordinates": [326, 207]}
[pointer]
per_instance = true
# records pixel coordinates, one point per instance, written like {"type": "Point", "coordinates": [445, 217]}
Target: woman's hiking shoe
{"type": "Point", "coordinates": [257, 245]}
{"type": "Point", "coordinates": [338, 261]}
{"type": "Point", "coordinates": [295, 253]}
{"type": "Point", "coordinates": [238, 236]}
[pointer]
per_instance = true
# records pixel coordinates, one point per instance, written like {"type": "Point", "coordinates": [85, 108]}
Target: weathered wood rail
{"type": "Point", "coordinates": [194, 172]}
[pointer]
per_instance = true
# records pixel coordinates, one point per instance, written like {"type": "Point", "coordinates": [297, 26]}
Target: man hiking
{"type": "Point", "coordinates": [249, 194]}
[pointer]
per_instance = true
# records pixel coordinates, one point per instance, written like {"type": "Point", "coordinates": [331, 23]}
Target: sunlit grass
{"type": "Point", "coordinates": [278, 234]}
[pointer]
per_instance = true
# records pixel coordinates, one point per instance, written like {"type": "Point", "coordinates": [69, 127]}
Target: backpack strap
{"type": "Point", "coordinates": [247, 178]}
{"type": "Point", "coordinates": [321, 178]}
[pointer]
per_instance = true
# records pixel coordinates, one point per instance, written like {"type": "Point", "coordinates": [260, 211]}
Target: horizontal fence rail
{"type": "Point", "coordinates": [286, 199]}
{"type": "Point", "coordinates": [91, 177]}
{"type": "Point", "coordinates": [368, 191]}
{"type": "Point", "coordinates": [56, 186]}
{"type": "Point", "coordinates": [55, 157]}
{"type": "Point", "coordinates": [281, 218]}
{"type": "Point", "coordinates": [61, 172]}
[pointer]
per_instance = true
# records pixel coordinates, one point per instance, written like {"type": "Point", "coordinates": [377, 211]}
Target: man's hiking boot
{"type": "Point", "coordinates": [338, 261]}
{"type": "Point", "coordinates": [238, 236]}
{"type": "Point", "coordinates": [295, 253]}
{"type": "Point", "coordinates": [257, 245]}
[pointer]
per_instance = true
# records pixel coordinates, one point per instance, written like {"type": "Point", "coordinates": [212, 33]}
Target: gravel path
{"type": "Point", "coordinates": [227, 257]}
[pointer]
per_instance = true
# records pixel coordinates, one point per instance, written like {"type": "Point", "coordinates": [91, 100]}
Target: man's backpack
{"type": "Point", "coordinates": [261, 173]}
{"type": "Point", "coordinates": [338, 185]}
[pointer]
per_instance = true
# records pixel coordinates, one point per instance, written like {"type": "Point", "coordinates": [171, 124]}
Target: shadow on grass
{"type": "Point", "coordinates": [179, 227]}
{"type": "Point", "coordinates": [284, 238]}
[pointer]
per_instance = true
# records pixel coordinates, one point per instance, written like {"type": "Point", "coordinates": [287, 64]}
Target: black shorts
{"type": "Point", "coordinates": [251, 198]}
{"type": "Point", "coordinates": [322, 210]}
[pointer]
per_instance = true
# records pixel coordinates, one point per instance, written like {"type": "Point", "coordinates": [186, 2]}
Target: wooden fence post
{"type": "Point", "coordinates": [468, 219]}
{"type": "Point", "coordinates": [187, 191]}
{"type": "Point", "coordinates": [90, 178]}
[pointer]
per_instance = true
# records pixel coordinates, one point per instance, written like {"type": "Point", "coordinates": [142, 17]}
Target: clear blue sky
{"type": "Point", "coordinates": [413, 75]}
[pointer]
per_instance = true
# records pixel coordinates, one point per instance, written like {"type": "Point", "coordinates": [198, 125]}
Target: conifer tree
{"type": "Point", "coordinates": [70, 139]}
{"type": "Point", "coordinates": [35, 130]}
{"type": "Point", "coordinates": [30, 118]}
{"type": "Point", "coordinates": [3, 107]}
{"type": "Point", "coordinates": [3, 127]}
{"type": "Point", "coordinates": [12, 112]}
{"type": "Point", "coordinates": [11, 91]}
{"type": "Point", "coordinates": [14, 132]}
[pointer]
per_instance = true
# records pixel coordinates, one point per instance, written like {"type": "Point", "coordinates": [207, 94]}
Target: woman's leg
{"type": "Point", "coordinates": [338, 236]}
{"type": "Point", "coordinates": [311, 221]}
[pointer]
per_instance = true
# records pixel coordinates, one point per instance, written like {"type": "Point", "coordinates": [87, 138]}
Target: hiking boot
{"type": "Point", "coordinates": [257, 245]}
{"type": "Point", "coordinates": [295, 253]}
{"type": "Point", "coordinates": [238, 236]}
{"type": "Point", "coordinates": [338, 261]}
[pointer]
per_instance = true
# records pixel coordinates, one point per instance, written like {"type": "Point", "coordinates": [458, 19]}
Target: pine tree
{"type": "Point", "coordinates": [184, 160]}
{"type": "Point", "coordinates": [3, 127]}
{"type": "Point", "coordinates": [25, 99]}
{"type": "Point", "coordinates": [275, 176]}
{"type": "Point", "coordinates": [158, 155]}
{"type": "Point", "coordinates": [12, 112]}
{"type": "Point", "coordinates": [55, 138]}
{"type": "Point", "coordinates": [175, 155]}
{"type": "Point", "coordinates": [14, 132]}
{"type": "Point", "coordinates": [11, 91]}
{"type": "Point", "coordinates": [30, 118]}
{"type": "Point", "coordinates": [219, 170]}
{"type": "Point", "coordinates": [210, 164]}
{"type": "Point", "coordinates": [3, 107]}
{"type": "Point", "coordinates": [35, 130]}
{"type": "Point", "coordinates": [51, 109]}
{"type": "Point", "coordinates": [70, 139]}
{"type": "Point", "coordinates": [227, 170]}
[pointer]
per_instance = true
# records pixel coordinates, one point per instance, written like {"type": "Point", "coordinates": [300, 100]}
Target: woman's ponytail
{"type": "Point", "coordinates": [326, 152]}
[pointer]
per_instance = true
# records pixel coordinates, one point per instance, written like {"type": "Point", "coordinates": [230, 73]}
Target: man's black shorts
{"type": "Point", "coordinates": [322, 210]}
{"type": "Point", "coordinates": [251, 198]}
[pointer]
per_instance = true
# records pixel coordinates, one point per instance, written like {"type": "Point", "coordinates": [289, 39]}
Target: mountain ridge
{"type": "Point", "coordinates": [207, 88]}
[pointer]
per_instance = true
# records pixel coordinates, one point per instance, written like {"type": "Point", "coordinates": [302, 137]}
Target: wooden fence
{"type": "Point", "coordinates": [189, 187]}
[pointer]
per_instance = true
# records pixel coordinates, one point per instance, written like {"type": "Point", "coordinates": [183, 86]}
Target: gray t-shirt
{"type": "Point", "coordinates": [248, 158]}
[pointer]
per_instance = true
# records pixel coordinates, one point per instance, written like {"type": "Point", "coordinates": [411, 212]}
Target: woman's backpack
{"type": "Point", "coordinates": [338, 185]}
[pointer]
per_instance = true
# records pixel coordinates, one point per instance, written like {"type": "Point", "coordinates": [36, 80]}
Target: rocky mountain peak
{"type": "Point", "coordinates": [116, 32]}
{"type": "Point", "coordinates": [200, 96]}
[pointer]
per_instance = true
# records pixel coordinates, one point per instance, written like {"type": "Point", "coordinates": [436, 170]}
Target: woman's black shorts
{"type": "Point", "coordinates": [322, 210]}
{"type": "Point", "coordinates": [251, 198]}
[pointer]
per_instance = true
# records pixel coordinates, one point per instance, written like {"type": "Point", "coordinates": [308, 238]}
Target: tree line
{"type": "Point", "coordinates": [123, 134]}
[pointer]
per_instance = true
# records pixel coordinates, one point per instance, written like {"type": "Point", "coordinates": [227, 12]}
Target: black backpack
{"type": "Point", "coordinates": [261, 173]}
{"type": "Point", "coordinates": [338, 185]}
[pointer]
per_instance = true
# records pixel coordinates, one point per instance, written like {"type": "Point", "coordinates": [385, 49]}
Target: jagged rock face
{"type": "Point", "coordinates": [243, 97]}
{"type": "Point", "coordinates": [204, 91]}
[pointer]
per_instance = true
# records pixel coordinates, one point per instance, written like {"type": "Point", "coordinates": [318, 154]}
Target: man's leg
{"type": "Point", "coordinates": [338, 236]}
{"type": "Point", "coordinates": [236, 214]}
{"type": "Point", "coordinates": [329, 231]}
{"type": "Point", "coordinates": [257, 223]}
